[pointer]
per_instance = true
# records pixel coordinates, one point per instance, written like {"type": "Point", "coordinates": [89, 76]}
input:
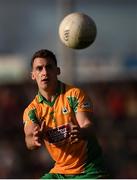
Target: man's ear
{"type": "Point", "coordinates": [32, 76]}
{"type": "Point", "coordinates": [58, 71]}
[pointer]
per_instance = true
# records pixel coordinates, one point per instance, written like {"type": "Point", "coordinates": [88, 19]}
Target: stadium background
{"type": "Point", "coordinates": [107, 70]}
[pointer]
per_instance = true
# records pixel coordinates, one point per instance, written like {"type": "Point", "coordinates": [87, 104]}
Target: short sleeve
{"type": "Point", "coordinates": [79, 101]}
{"type": "Point", "coordinates": [30, 116]}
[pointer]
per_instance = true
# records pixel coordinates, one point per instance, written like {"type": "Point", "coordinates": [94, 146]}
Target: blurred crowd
{"type": "Point", "coordinates": [115, 118]}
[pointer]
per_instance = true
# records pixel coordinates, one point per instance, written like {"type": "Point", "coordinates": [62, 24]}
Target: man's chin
{"type": "Point", "coordinates": [45, 87]}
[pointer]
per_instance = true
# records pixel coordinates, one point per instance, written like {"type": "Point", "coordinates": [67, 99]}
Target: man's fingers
{"type": "Point", "coordinates": [75, 130]}
{"type": "Point", "coordinates": [36, 128]}
{"type": "Point", "coordinates": [37, 143]}
{"type": "Point", "coordinates": [74, 140]}
{"type": "Point", "coordinates": [37, 140]}
{"type": "Point", "coordinates": [73, 136]}
{"type": "Point", "coordinates": [74, 133]}
{"type": "Point", "coordinates": [42, 126]}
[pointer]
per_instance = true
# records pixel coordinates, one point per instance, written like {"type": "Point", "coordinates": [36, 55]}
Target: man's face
{"type": "Point", "coordinates": [44, 72]}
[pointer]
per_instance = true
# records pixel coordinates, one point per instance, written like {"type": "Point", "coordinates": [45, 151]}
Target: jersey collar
{"type": "Point", "coordinates": [60, 89]}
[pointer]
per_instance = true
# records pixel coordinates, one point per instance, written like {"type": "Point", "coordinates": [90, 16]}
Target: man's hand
{"type": "Point", "coordinates": [34, 135]}
{"type": "Point", "coordinates": [74, 134]}
{"type": "Point", "coordinates": [84, 129]}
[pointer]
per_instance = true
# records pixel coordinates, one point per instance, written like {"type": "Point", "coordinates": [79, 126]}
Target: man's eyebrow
{"type": "Point", "coordinates": [47, 65]}
{"type": "Point", "coordinates": [38, 66]}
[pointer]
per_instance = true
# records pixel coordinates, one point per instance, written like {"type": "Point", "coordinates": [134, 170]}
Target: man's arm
{"type": "Point", "coordinates": [84, 129]}
{"type": "Point", "coordinates": [33, 134]}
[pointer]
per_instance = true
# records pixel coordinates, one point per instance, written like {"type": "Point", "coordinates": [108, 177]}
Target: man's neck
{"type": "Point", "coordinates": [50, 95]}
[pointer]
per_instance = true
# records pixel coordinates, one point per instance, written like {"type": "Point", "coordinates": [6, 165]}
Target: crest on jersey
{"type": "Point", "coordinates": [64, 110]}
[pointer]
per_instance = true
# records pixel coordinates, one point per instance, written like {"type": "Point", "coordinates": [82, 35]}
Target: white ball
{"type": "Point", "coordinates": [77, 30]}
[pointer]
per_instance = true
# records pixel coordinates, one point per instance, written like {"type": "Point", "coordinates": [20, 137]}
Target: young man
{"type": "Point", "coordinates": [60, 117]}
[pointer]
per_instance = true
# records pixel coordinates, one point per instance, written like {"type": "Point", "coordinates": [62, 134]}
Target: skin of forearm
{"type": "Point", "coordinates": [31, 136]}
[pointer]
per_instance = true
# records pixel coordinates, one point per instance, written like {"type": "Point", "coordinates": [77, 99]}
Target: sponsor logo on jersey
{"type": "Point", "coordinates": [58, 134]}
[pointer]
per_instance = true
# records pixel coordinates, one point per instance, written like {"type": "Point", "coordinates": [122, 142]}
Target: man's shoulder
{"type": "Point", "coordinates": [74, 90]}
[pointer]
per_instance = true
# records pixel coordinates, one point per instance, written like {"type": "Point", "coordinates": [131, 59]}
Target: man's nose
{"type": "Point", "coordinates": [44, 70]}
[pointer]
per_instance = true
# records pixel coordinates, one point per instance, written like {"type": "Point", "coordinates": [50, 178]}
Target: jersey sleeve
{"type": "Point", "coordinates": [79, 101]}
{"type": "Point", "coordinates": [30, 115]}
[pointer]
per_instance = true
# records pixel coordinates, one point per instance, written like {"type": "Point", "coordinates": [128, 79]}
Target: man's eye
{"type": "Point", "coordinates": [39, 68]}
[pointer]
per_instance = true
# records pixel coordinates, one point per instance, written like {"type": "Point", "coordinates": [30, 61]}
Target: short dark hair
{"type": "Point", "coordinates": [43, 53]}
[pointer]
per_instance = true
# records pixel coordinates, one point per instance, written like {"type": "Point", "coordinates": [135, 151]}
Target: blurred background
{"type": "Point", "coordinates": [107, 70]}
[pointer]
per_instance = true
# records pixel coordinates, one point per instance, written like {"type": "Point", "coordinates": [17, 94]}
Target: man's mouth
{"type": "Point", "coordinates": [45, 80]}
